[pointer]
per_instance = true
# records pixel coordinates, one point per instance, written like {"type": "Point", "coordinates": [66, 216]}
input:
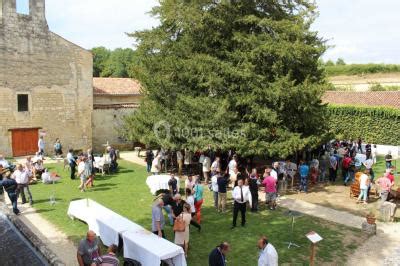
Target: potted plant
{"type": "Point", "coordinates": [371, 217]}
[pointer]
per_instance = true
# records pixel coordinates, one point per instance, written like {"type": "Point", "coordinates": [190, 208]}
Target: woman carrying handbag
{"type": "Point", "coordinates": [181, 228]}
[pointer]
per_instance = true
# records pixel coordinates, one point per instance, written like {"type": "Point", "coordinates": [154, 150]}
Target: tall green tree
{"type": "Point", "coordinates": [100, 57]}
{"type": "Point", "coordinates": [230, 74]}
{"type": "Point", "coordinates": [117, 63]}
{"type": "Point", "coordinates": [340, 62]}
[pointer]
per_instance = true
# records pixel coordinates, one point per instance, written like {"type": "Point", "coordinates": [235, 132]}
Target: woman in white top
{"type": "Point", "coordinates": [190, 201]}
{"type": "Point", "coordinates": [182, 238]}
{"type": "Point", "coordinates": [364, 185]}
{"type": "Point", "coordinates": [82, 174]}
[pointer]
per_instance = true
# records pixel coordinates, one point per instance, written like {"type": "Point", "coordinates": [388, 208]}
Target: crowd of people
{"type": "Point", "coordinates": [182, 213]}
{"type": "Point", "coordinates": [353, 160]}
{"type": "Point", "coordinates": [16, 179]}
{"type": "Point", "coordinates": [220, 172]}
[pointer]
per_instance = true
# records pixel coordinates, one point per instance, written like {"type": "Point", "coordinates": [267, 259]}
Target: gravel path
{"type": "Point", "coordinates": [381, 249]}
{"type": "Point", "coordinates": [132, 157]}
{"type": "Point", "coordinates": [325, 213]}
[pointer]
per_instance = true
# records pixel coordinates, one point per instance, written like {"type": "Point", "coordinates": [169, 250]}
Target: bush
{"type": "Point", "coordinates": [379, 125]}
{"type": "Point", "coordinates": [380, 87]}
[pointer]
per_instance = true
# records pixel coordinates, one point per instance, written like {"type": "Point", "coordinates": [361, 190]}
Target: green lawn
{"type": "Point", "coordinates": [127, 194]}
{"type": "Point", "coordinates": [380, 168]}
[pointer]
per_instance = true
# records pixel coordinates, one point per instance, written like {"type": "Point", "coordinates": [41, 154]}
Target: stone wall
{"type": "Point", "coordinates": [106, 123]}
{"type": "Point", "coordinates": [56, 75]}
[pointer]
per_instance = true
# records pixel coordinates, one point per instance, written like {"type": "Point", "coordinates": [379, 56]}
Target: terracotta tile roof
{"type": "Point", "coordinates": [116, 86]}
{"type": "Point", "coordinates": [116, 106]}
{"type": "Point", "coordinates": [369, 98]}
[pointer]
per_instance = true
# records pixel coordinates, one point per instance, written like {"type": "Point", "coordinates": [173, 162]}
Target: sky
{"type": "Point", "coordinates": [359, 31]}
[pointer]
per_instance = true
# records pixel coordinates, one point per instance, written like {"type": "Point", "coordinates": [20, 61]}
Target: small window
{"type": "Point", "coordinates": [23, 103]}
{"type": "Point", "coordinates": [23, 7]}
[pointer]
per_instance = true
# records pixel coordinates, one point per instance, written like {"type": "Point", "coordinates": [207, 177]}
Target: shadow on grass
{"type": "Point", "coordinates": [105, 185]}
{"type": "Point", "coordinates": [44, 200]}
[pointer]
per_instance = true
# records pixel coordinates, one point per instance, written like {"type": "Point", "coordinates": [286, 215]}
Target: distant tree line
{"type": "Point", "coordinates": [341, 68]}
{"type": "Point", "coordinates": [113, 63]}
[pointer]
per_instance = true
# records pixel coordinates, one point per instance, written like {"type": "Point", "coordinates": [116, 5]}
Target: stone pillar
{"type": "Point", "coordinates": [370, 229]}
{"type": "Point", "coordinates": [38, 12]}
{"type": "Point", "coordinates": [9, 7]}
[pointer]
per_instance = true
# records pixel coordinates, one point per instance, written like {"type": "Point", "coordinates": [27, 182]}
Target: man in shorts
{"type": "Point", "coordinates": [270, 191]}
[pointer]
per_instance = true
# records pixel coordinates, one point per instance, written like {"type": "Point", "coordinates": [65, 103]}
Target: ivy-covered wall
{"type": "Point", "coordinates": [379, 125]}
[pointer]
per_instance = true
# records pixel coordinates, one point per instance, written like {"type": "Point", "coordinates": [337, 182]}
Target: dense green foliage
{"type": "Point", "coordinates": [359, 69]}
{"type": "Point", "coordinates": [232, 74]}
{"type": "Point", "coordinates": [380, 125]}
{"type": "Point", "coordinates": [127, 194]}
{"type": "Point", "coordinates": [116, 63]}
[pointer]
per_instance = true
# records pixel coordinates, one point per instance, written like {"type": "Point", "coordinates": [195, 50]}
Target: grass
{"type": "Point", "coordinates": [127, 194]}
{"type": "Point", "coordinates": [380, 168]}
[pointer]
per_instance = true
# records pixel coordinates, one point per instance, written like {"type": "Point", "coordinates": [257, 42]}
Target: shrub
{"type": "Point", "coordinates": [379, 87]}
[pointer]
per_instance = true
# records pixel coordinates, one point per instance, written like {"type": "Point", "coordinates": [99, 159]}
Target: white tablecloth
{"type": "Point", "coordinates": [86, 210]}
{"type": "Point", "coordinates": [100, 161]}
{"type": "Point", "coordinates": [150, 250]}
{"type": "Point", "coordinates": [111, 228]}
{"type": "Point", "coordinates": [157, 182]}
{"type": "Point", "coordinates": [139, 244]}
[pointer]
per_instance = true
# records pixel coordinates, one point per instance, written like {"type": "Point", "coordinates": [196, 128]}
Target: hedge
{"type": "Point", "coordinates": [379, 125]}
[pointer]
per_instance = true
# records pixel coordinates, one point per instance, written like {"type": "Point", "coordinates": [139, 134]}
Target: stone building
{"type": "Point", "coordinates": [45, 84]}
{"type": "Point", "coordinates": [113, 98]}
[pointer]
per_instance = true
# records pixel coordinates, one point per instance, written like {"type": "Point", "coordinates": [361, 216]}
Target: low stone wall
{"type": "Point", "coordinates": [30, 236]}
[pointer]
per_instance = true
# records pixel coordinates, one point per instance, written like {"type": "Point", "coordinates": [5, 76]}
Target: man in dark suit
{"type": "Point", "coordinates": [10, 186]}
{"type": "Point", "coordinates": [217, 255]}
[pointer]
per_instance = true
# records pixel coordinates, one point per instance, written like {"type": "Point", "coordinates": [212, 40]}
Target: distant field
{"type": "Point", "coordinates": [377, 81]}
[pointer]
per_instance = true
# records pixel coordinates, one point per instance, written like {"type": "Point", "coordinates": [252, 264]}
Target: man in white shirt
{"type": "Point", "coordinates": [274, 170]}
{"type": "Point", "coordinates": [232, 165]}
{"type": "Point", "coordinates": [206, 168]}
{"type": "Point", "coordinates": [268, 255]}
{"type": "Point", "coordinates": [22, 178]}
{"type": "Point", "coordinates": [41, 145]}
{"type": "Point", "coordinates": [214, 188]}
{"type": "Point", "coordinates": [215, 166]}
{"type": "Point", "coordinates": [241, 195]}
{"type": "Point", "coordinates": [156, 165]}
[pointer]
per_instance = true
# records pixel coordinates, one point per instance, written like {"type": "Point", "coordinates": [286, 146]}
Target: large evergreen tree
{"type": "Point", "coordinates": [232, 74]}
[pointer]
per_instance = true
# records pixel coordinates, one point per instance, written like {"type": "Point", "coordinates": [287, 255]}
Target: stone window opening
{"type": "Point", "coordinates": [23, 105]}
{"type": "Point", "coordinates": [22, 7]}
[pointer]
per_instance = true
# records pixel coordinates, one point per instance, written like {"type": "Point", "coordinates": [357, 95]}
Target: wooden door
{"type": "Point", "coordinates": [24, 141]}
